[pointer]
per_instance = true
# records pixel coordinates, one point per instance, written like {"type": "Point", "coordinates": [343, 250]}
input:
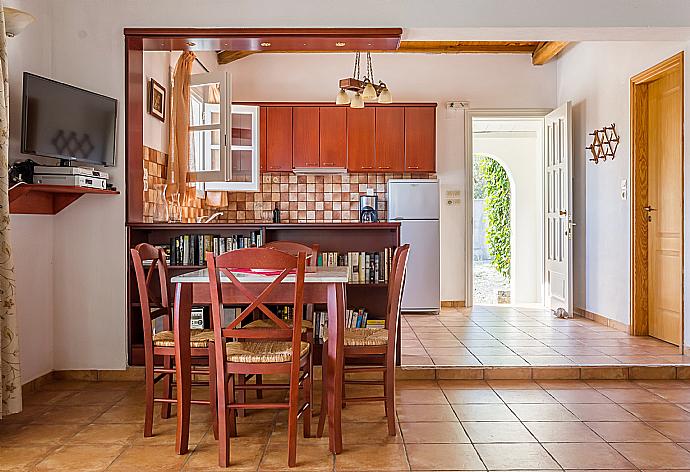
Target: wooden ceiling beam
{"type": "Point", "coordinates": [546, 51]}
{"type": "Point", "coordinates": [226, 57]}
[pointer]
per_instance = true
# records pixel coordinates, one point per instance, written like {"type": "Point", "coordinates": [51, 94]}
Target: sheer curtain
{"type": "Point", "coordinates": [10, 383]}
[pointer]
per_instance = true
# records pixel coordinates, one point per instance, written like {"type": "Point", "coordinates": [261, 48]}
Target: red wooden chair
{"type": "Point", "coordinates": [375, 344]}
{"type": "Point", "coordinates": [275, 350]}
{"type": "Point", "coordinates": [155, 299]}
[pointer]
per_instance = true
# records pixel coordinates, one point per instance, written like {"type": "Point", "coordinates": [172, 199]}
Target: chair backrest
{"type": "Point", "coordinates": [396, 285]}
{"type": "Point", "coordinates": [254, 295]}
{"type": "Point", "coordinates": [154, 297]}
{"type": "Point", "coordinates": [295, 248]}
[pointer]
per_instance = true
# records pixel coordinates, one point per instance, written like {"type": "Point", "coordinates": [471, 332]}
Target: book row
{"type": "Point", "coordinates": [363, 267]}
{"type": "Point", "coordinates": [191, 249]}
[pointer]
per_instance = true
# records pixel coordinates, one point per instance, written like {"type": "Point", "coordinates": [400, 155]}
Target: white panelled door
{"type": "Point", "coordinates": [558, 218]}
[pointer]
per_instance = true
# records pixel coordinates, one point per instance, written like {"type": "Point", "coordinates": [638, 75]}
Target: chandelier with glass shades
{"type": "Point", "coordinates": [365, 90]}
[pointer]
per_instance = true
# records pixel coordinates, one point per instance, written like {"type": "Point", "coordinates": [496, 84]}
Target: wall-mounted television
{"type": "Point", "coordinates": [67, 123]}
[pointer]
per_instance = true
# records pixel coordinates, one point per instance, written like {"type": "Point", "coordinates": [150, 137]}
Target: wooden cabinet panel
{"type": "Point", "coordinates": [305, 137]}
{"type": "Point", "coordinates": [262, 139]}
{"type": "Point", "coordinates": [420, 139]}
{"type": "Point", "coordinates": [361, 139]}
{"type": "Point", "coordinates": [390, 139]}
{"type": "Point", "coordinates": [278, 139]}
{"type": "Point", "coordinates": [332, 137]}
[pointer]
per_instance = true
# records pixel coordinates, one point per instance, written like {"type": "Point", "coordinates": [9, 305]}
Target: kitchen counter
{"type": "Point", "coordinates": [269, 226]}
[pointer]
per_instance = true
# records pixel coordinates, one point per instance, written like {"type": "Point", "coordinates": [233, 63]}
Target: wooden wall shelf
{"type": "Point", "coordinates": [35, 199]}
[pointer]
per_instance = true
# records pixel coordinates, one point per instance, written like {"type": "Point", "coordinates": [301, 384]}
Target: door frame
{"type": "Point", "coordinates": [639, 315]}
{"type": "Point", "coordinates": [469, 179]}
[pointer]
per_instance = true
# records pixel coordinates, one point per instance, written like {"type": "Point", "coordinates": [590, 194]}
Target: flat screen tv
{"type": "Point", "coordinates": [67, 123]}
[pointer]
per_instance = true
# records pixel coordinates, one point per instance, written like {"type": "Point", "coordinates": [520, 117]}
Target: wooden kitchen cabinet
{"type": "Point", "coordinates": [305, 137]}
{"type": "Point", "coordinates": [420, 139]}
{"type": "Point", "coordinates": [332, 136]}
{"type": "Point", "coordinates": [278, 139]}
{"type": "Point", "coordinates": [262, 139]}
{"type": "Point", "coordinates": [390, 139]}
{"type": "Point", "coordinates": [361, 139]}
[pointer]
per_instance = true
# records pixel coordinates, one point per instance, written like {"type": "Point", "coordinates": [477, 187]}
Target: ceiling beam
{"type": "Point", "coordinates": [546, 51]}
{"type": "Point", "coordinates": [542, 52]}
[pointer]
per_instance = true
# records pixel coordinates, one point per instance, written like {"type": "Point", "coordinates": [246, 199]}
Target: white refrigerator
{"type": "Point", "coordinates": [415, 204]}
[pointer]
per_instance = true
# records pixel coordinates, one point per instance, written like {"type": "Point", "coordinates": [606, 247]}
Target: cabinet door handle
{"type": "Point", "coordinates": [413, 167]}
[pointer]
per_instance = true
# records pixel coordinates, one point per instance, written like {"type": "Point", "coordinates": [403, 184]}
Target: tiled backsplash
{"type": "Point", "coordinates": [300, 198]}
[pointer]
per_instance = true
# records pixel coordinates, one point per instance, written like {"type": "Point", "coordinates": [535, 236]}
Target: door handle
{"type": "Point", "coordinates": [562, 213]}
{"type": "Point", "coordinates": [649, 208]}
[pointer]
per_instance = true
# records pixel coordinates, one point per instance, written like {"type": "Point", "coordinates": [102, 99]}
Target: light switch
{"type": "Point", "coordinates": [624, 189]}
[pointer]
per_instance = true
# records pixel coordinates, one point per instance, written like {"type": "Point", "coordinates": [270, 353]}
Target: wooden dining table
{"type": "Point", "coordinates": [322, 285]}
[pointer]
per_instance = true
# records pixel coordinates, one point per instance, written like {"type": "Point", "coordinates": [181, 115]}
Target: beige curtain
{"type": "Point", "coordinates": [10, 384]}
{"type": "Point", "coordinates": [178, 150]}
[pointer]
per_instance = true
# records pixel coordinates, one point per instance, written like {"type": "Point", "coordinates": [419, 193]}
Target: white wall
{"type": "Point", "coordinates": [157, 67]}
{"type": "Point", "coordinates": [486, 81]}
{"type": "Point", "coordinates": [596, 78]}
{"type": "Point", "coordinates": [520, 154]}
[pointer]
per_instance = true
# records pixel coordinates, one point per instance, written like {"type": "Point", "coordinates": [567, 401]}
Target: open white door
{"type": "Point", "coordinates": [558, 204]}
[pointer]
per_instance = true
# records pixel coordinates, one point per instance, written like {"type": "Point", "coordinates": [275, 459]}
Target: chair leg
{"type": "Point", "coordinates": [292, 419]}
{"type": "Point", "coordinates": [308, 396]}
{"type": "Point", "coordinates": [241, 394]}
{"type": "Point", "coordinates": [324, 391]}
{"type": "Point", "coordinates": [212, 390]}
{"type": "Point", "coordinates": [232, 412]}
{"type": "Point", "coordinates": [167, 388]}
{"type": "Point", "coordinates": [389, 382]}
{"type": "Point", "coordinates": [259, 381]}
{"type": "Point", "coordinates": [148, 418]}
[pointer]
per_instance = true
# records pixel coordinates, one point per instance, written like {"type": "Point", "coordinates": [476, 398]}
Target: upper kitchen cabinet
{"type": "Point", "coordinates": [361, 139]}
{"type": "Point", "coordinates": [390, 139]}
{"type": "Point", "coordinates": [333, 137]}
{"type": "Point", "coordinates": [305, 137]}
{"type": "Point", "coordinates": [420, 139]}
{"type": "Point", "coordinates": [278, 139]}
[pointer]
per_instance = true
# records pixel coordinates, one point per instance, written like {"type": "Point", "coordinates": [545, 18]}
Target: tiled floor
{"type": "Point", "coordinates": [505, 336]}
{"type": "Point", "coordinates": [444, 425]}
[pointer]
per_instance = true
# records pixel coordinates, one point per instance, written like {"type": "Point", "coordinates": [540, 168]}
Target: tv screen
{"type": "Point", "coordinates": [67, 123]}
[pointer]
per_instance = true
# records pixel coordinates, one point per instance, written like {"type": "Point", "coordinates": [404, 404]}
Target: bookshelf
{"type": "Point", "coordinates": [331, 237]}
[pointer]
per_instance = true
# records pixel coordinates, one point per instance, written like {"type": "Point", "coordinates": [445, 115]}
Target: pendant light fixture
{"type": "Point", "coordinates": [365, 90]}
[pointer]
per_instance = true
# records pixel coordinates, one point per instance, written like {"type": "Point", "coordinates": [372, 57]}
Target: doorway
{"type": "Point", "coordinates": [657, 201]}
{"type": "Point", "coordinates": [505, 264]}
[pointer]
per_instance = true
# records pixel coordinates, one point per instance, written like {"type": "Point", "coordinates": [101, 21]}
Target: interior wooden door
{"type": "Point", "coordinates": [390, 139]}
{"type": "Point", "coordinates": [361, 139]}
{"type": "Point", "coordinates": [332, 136]}
{"type": "Point", "coordinates": [558, 218]}
{"type": "Point", "coordinates": [279, 139]}
{"type": "Point", "coordinates": [664, 206]}
{"type": "Point", "coordinates": [305, 136]}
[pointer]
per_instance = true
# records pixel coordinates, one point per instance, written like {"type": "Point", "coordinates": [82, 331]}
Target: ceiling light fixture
{"type": "Point", "coordinates": [365, 90]}
{"type": "Point", "coordinates": [266, 44]}
{"type": "Point", "coordinates": [340, 44]}
{"type": "Point", "coordinates": [16, 21]}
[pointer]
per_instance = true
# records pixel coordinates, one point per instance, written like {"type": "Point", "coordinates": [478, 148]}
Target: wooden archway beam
{"type": "Point", "coordinates": [546, 51]}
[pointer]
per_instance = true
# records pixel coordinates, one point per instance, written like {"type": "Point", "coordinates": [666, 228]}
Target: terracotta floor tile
{"type": "Point", "coordinates": [587, 456]}
{"type": "Point", "coordinates": [365, 412]}
{"type": "Point", "coordinates": [600, 412]}
{"type": "Point", "coordinates": [674, 395]}
{"type": "Point", "coordinates": [525, 396]}
{"type": "Point", "coordinates": [497, 432]}
{"type": "Point", "coordinates": [245, 455]}
{"type": "Point", "coordinates": [463, 396]}
{"type": "Point", "coordinates": [38, 434]}
{"type": "Point", "coordinates": [93, 397]}
{"type": "Point", "coordinates": [426, 413]}
{"type": "Point", "coordinates": [363, 433]}
{"type": "Point", "coordinates": [566, 431]}
{"type": "Point", "coordinates": [442, 457]}
{"type": "Point", "coordinates": [421, 397]}
{"type": "Point", "coordinates": [47, 397]}
{"type": "Point", "coordinates": [81, 458]}
{"type": "Point", "coordinates": [627, 431]}
{"type": "Point", "coordinates": [655, 455]}
{"type": "Point", "coordinates": [581, 395]}
{"type": "Point", "coordinates": [433, 432]}
{"type": "Point", "coordinates": [458, 384]}
{"type": "Point", "coordinates": [502, 360]}
{"type": "Point", "coordinates": [360, 457]}
{"type": "Point", "coordinates": [674, 430]}
{"type": "Point", "coordinates": [542, 412]}
{"type": "Point", "coordinates": [631, 395]}
{"type": "Point", "coordinates": [416, 385]}
{"type": "Point", "coordinates": [21, 458]}
{"type": "Point", "coordinates": [526, 456]}
{"type": "Point", "coordinates": [59, 414]}
{"type": "Point", "coordinates": [657, 411]}
{"type": "Point", "coordinates": [513, 385]}
{"type": "Point", "coordinates": [484, 412]}
{"type": "Point", "coordinates": [468, 360]}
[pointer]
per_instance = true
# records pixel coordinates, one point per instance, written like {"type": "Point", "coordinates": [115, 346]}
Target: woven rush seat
{"type": "Point", "coordinates": [266, 323]}
{"type": "Point", "coordinates": [364, 337]}
{"type": "Point", "coordinates": [198, 338]}
{"type": "Point", "coordinates": [268, 352]}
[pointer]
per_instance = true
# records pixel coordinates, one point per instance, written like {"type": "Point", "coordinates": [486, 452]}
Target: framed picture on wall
{"type": "Point", "coordinates": [157, 99]}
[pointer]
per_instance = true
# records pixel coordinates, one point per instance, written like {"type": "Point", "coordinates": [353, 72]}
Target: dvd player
{"type": "Point", "coordinates": [71, 180]}
{"type": "Point", "coordinates": [66, 170]}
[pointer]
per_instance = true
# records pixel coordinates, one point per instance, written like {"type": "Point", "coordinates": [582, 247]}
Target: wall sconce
{"type": "Point", "coordinates": [16, 21]}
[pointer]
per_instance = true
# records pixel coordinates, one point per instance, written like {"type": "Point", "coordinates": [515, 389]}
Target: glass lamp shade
{"type": "Point", "coordinates": [342, 98]}
{"type": "Point", "coordinates": [357, 101]}
{"type": "Point", "coordinates": [369, 92]}
{"type": "Point", "coordinates": [16, 21]}
{"type": "Point", "coordinates": [385, 96]}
